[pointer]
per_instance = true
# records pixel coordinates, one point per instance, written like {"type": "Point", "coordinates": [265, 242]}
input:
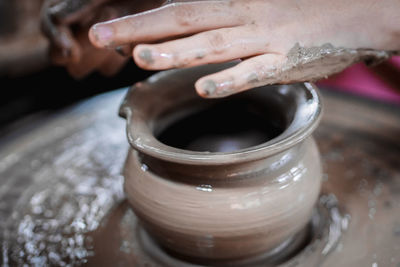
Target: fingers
{"type": "Point", "coordinates": [56, 15]}
{"type": "Point", "coordinates": [106, 62]}
{"type": "Point", "coordinates": [170, 20]}
{"type": "Point", "coordinates": [70, 11]}
{"type": "Point", "coordinates": [89, 62]}
{"type": "Point", "coordinates": [207, 47]}
{"type": "Point", "coordinates": [91, 58]}
{"type": "Point", "coordinates": [253, 72]}
{"type": "Point", "coordinates": [65, 47]}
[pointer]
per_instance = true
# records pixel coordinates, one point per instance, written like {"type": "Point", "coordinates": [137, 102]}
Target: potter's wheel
{"type": "Point", "coordinates": [61, 199]}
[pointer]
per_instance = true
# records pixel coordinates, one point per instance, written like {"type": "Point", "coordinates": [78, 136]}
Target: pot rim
{"type": "Point", "coordinates": [143, 140]}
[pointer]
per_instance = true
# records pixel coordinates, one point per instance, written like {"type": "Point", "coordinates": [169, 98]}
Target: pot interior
{"type": "Point", "coordinates": [225, 125]}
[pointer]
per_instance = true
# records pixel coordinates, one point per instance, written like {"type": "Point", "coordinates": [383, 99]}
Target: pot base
{"type": "Point", "coordinates": [308, 246]}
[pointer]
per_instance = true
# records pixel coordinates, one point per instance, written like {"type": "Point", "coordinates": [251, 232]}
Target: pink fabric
{"type": "Point", "coordinates": [361, 80]}
{"type": "Point", "coordinates": [395, 61]}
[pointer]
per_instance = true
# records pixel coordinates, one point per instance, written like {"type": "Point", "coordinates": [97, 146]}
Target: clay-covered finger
{"type": "Point", "coordinates": [207, 47]}
{"type": "Point", "coordinates": [253, 72]}
{"type": "Point", "coordinates": [171, 20]}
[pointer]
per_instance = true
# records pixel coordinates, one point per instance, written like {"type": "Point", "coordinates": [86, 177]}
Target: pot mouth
{"type": "Point", "coordinates": [146, 102]}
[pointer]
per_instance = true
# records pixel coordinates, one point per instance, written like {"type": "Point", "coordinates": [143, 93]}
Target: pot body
{"type": "Point", "coordinates": [228, 211]}
{"type": "Point", "coordinates": [213, 204]}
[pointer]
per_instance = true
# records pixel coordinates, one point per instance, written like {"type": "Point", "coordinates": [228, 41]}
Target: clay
{"type": "Point", "coordinates": [200, 55]}
{"type": "Point", "coordinates": [302, 64]}
{"type": "Point", "coordinates": [220, 206]}
{"type": "Point", "coordinates": [209, 87]}
{"type": "Point", "coordinates": [62, 202]}
{"type": "Point", "coordinates": [146, 56]}
{"type": "Point", "coordinates": [314, 63]}
{"type": "Point", "coordinates": [124, 51]}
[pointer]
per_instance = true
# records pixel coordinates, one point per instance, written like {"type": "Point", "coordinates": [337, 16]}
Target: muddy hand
{"type": "Point", "coordinates": [56, 17]}
{"type": "Point", "coordinates": [66, 24]}
{"type": "Point", "coordinates": [281, 41]}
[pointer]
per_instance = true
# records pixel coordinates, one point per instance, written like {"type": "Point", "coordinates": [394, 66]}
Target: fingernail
{"type": "Point", "coordinates": [146, 55]}
{"type": "Point", "coordinates": [103, 33]}
{"type": "Point", "coordinates": [209, 87]}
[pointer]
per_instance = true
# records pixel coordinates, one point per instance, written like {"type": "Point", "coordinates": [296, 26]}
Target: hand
{"type": "Point", "coordinates": [281, 41]}
{"type": "Point", "coordinates": [66, 24]}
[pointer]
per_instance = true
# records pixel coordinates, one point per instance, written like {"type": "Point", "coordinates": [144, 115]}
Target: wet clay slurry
{"type": "Point", "coordinates": [231, 179]}
{"type": "Point", "coordinates": [314, 63]}
{"type": "Point", "coordinates": [146, 56]}
{"type": "Point", "coordinates": [61, 189]}
{"type": "Point", "coordinates": [302, 64]}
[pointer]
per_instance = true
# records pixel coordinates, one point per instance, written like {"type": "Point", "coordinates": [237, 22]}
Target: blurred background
{"type": "Point", "coordinates": [30, 83]}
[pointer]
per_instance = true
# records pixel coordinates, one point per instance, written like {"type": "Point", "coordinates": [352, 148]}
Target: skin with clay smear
{"type": "Point", "coordinates": [265, 36]}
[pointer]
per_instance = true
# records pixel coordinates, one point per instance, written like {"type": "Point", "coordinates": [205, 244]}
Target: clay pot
{"type": "Point", "coordinates": [225, 178]}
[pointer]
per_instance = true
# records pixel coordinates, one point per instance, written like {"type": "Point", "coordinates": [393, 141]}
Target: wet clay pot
{"type": "Point", "coordinates": [221, 179]}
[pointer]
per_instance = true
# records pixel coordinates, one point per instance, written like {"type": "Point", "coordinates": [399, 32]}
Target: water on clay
{"type": "Point", "coordinates": [62, 203]}
{"type": "Point", "coordinates": [224, 127]}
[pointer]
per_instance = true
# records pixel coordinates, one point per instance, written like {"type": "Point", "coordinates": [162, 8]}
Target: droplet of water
{"type": "Point", "coordinates": [144, 167]}
{"type": "Point", "coordinates": [205, 188]}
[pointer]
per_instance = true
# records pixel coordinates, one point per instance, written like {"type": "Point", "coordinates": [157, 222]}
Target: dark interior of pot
{"type": "Point", "coordinates": [226, 125]}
